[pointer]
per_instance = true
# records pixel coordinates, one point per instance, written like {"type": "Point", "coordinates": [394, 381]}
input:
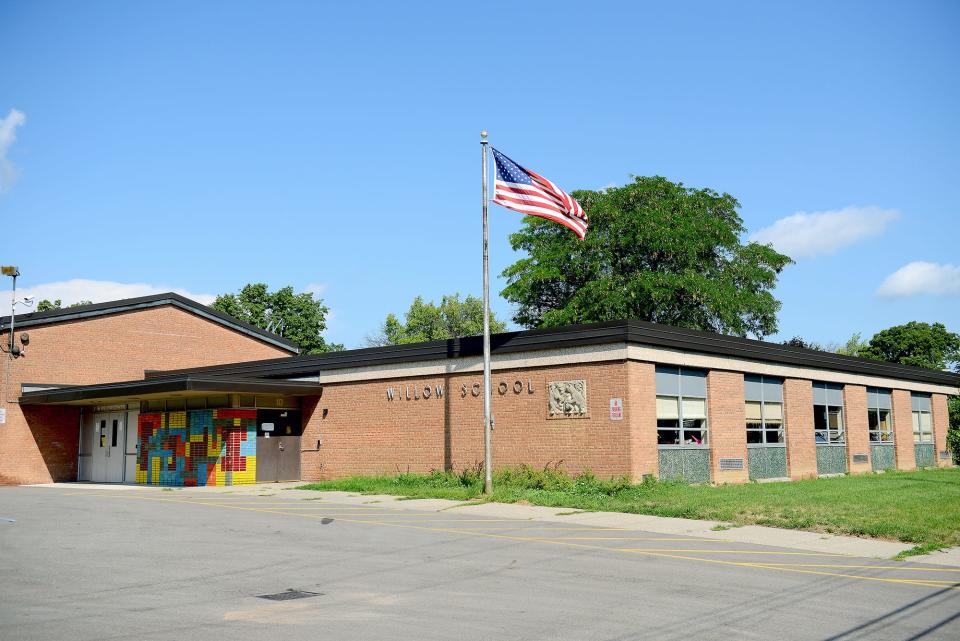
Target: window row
{"type": "Point", "coordinates": [682, 411]}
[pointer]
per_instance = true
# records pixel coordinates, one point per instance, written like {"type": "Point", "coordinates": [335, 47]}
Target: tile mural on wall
{"type": "Point", "coordinates": [197, 447]}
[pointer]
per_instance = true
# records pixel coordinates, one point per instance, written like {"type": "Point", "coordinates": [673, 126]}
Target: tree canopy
{"type": "Point", "coordinates": [915, 343]}
{"type": "Point", "coordinates": [655, 250]}
{"type": "Point", "coordinates": [46, 305]}
{"type": "Point", "coordinates": [426, 321]}
{"type": "Point", "coordinates": [297, 317]}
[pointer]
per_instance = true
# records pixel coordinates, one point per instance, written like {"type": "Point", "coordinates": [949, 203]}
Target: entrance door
{"type": "Point", "coordinates": [278, 445]}
{"type": "Point", "coordinates": [278, 458]}
{"type": "Point", "coordinates": [107, 456]}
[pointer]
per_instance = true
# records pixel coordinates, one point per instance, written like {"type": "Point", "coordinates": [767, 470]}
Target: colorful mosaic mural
{"type": "Point", "coordinates": [197, 447]}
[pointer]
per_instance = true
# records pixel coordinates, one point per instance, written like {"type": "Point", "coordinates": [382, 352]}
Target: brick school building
{"type": "Point", "coordinates": [166, 391]}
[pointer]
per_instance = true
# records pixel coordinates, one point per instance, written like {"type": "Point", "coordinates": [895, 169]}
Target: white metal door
{"type": "Point", "coordinates": [107, 457]}
{"type": "Point", "coordinates": [132, 448]}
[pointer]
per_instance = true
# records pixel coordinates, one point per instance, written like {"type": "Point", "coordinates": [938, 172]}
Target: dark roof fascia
{"type": "Point", "coordinates": [143, 302]}
{"type": "Point", "coordinates": [503, 343]}
{"type": "Point", "coordinates": [688, 340]}
{"type": "Point", "coordinates": [611, 332]}
{"type": "Point", "coordinates": [178, 383]}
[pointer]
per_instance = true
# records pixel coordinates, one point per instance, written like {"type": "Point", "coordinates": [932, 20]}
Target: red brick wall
{"type": "Point", "coordinates": [728, 432]}
{"type": "Point", "coordinates": [640, 410]}
{"type": "Point", "coordinates": [364, 433]}
{"type": "Point", "coordinates": [903, 430]}
{"type": "Point", "coordinates": [39, 444]}
{"type": "Point", "coordinates": [941, 422]}
{"type": "Point", "coordinates": [858, 429]}
{"type": "Point", "coordinates": [798, 421]}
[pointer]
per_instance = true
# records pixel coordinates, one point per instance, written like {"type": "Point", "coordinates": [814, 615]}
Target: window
{"type": "Point", "coordinates": [922, 419]}
{"type": "Point", "coordinates": [681, 406]}
{"type": "Point", "coordinates": [764, 398]}
{"type": "Point", "coordinates": [828, 414]}
{"type": "Point", "coordinates": [879, 415]}
{"type": "Point", "coordinates": [113, 437]}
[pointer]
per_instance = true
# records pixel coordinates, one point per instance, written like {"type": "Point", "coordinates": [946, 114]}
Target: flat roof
{"type": "Point", "coordinates": [611, 332]}
{"type": "Point", "coordinates": [82, 312]}
{"type": "Point", "coordinates": [163, 386]}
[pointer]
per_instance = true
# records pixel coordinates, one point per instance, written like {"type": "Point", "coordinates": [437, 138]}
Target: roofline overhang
{"type": "Point", "coordinates": [607, 333]}
{"type": "Point", "coordinates": [34, 319]}
{"type": "Point", "coordinates": [188, 383]}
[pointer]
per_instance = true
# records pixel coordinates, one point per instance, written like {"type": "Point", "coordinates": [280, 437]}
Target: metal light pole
{"type": "Point", "coordinates": [487, 418]}
{"type": "Point", "coordinates": [12, 271]}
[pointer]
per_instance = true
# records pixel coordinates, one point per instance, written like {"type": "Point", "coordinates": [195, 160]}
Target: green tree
{"type": "Point", "coordinates": [297, 317]}
{"type": "Point", "coordinates": [657, 251]}
{"type": "Point", "coordinates": [426, 321]}
{"type": "Point", "coordinates": [855, 346]}
{"type": "Point", "coordinates": [799, 341]}
{"type": "Point", "coordinates": [919, 344]}
{"type": "Point", "coordinates": [46, 305]}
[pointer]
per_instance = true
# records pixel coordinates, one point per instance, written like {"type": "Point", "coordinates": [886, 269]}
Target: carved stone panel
{"type": "Point", "coordinates": [568, 399]}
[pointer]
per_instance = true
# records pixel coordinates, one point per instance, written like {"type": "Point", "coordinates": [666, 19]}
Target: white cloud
{"type": "Point", "coordinates": [805, 235]}
{"type": "Point", "coordinates": [921, 277]}
{"type": "Point", "coordinates": [97, 291]}
{"type": "Point", "coordinates": [316, 289]}
{"type": "Point", "coordinates": [8, 134]}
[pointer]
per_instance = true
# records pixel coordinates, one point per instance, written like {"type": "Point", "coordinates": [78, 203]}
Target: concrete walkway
{"type": "Point", "coordinates": [754, 534]}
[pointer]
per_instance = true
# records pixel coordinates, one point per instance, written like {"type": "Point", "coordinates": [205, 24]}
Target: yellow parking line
{"type": "Point", "coordinates": [865, 567]}
{"type": "Point", "coordinates": [665, 554]}
{"type": "Point", "coordinates": [684, 539]}
{"type": "Point", "coordinates": [709, 551]}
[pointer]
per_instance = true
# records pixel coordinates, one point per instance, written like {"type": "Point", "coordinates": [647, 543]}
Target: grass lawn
{"type": "Point", "coordinates": [921, 507]}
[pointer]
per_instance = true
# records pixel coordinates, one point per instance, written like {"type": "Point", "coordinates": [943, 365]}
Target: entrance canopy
{"type": "Point", "coordinates": [178, 385]}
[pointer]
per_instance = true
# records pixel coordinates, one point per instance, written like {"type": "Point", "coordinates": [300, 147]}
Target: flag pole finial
{"type": "Point", "coordinates": [483, 136]}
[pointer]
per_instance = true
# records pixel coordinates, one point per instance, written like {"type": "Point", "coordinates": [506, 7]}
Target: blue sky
{"type": "Point", "coordinates": [200, 146]}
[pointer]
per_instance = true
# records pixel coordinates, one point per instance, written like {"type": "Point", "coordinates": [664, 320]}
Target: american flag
{"type": "Point", "coordinates": [524, 191]}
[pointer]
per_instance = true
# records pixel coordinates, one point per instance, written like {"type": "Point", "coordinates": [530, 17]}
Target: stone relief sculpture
{"type": "Point", "coordinates": [567, 398]}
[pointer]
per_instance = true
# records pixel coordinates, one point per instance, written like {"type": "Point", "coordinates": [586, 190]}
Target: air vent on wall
{"type": "Point", "coordinates": [731, 464]}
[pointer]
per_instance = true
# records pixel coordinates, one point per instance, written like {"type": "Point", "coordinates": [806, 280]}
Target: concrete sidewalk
{"type": "Point", "coordinates": [753, 534]}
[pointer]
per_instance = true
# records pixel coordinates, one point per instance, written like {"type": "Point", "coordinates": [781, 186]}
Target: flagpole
{"type": "Point", "coordinates": [487, 418]}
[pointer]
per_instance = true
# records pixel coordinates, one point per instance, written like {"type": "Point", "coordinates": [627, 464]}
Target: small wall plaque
{"type": "Point", "coordinates": [945, 455]}
{"type": "Point", "coordinates": [567, 399]}
{"type": "Point", "coordinates": [616, 409]}
{"type": "Point", "coordinates": [861, 458]}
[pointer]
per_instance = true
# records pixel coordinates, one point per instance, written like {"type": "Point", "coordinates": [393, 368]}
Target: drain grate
{"type": "Point", "coordinates": [289, 595]}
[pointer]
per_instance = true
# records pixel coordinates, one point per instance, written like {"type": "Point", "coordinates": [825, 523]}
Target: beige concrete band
{"type": "Point", "coordinates": [616, 352]}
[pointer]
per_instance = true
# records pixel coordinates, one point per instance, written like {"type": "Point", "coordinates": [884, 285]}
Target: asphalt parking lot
{"type": "Point", "coordinates": [152, 564]}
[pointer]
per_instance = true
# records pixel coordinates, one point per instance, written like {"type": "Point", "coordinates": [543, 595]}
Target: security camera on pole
{"type": "Point", "coordinates": [529, 193]}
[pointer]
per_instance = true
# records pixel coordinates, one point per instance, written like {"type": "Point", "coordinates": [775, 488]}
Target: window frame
{"type": "Point", "coordinates": [873, 410]}
{"type": "Point", "coordinates": [680, 397]}
{"type": "Point", "coordinates": [829, 432]}
{"type": "Point", "coordinates": [763, 429]}
{"type": "Point", "coordinates": [916, 414]}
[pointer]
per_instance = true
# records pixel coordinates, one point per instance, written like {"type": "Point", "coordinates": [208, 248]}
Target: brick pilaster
{"type": "Point", "coordinates": [640, 409]}
{"type": "Point", "coordinates": [941, 423]}
{"type": "Point", "coordinates": [798, 421]}
{"type": "Point", "coordinates": [857, 427]}
{"type": "Point", "coordinates": [727, 420]}
{"type": "Point", "coordinates": [903, 430]}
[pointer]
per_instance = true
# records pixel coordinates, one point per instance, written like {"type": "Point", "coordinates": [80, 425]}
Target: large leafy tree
{"type": "Point", "coordinates": [297, 317]}
{"type": "Point", "coordinates": [920, 344]}
{"type": "Point", "coordinates": [426, 321]}
{"type": "Point", "coordinates": [656, 250]}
